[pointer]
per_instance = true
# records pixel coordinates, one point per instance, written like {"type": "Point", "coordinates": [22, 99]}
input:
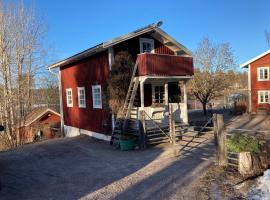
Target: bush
{"type": "Point", "coordinates": [241, 143]}
{"type": "Point", "coordinates": [118, 81]}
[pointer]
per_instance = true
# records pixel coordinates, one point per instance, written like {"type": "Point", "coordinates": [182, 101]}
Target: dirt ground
{"type": "Point", "coordinates": [85, 168]}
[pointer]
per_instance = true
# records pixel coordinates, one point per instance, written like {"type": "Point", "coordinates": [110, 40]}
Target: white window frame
{"type": "Point", "coordinates": [81, 105]}
{"type": "Point", "coordinates": [95, 104]}
{"type": "Point", "coordinates": [147, 40]}
{"type": "Point", "coordinates": [154, 85]}
{"type": "Point", "coordinates": [259, 74]}
{"type": "Point", "coordinates": [264, 100]}
{"type": "Point", "coordinates": [69, 104]}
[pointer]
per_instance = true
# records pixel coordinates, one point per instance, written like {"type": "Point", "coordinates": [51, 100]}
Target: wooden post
{"type": "Point", "coordinates": [142, 130]}
{"type": "Point", "coordinates": [166, 94]}
{"type": "Point", "coordinates": [220, 140]}
{"type": "Point", "coordinates": [170, 122]}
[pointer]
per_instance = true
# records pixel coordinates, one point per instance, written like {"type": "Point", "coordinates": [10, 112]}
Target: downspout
{"type": "Point", "coordinates": [60, 100]}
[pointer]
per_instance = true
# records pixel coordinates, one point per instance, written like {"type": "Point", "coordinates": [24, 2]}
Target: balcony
{"type": "Point", "coordinates": [164, 65]}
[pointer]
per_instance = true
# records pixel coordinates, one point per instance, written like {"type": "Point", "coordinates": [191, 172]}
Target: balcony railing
{"type": "Point", "coordinates": [164, 65]}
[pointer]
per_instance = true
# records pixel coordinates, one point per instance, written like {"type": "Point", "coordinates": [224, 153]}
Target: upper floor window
{"type": "Point", "coordinates": [263, 96]}
{"type": "Point", "coordinates": [69, 97]}
{"type": "Point", "coordinates": [263, 73]}
{"type": "Point", "coordinates": [81, 97]}
{"type": "Point", "coordinates": [146, 45]}
{"type": "Point", "coordinates": [96, 94]}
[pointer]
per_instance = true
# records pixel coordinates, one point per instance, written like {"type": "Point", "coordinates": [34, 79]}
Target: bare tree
{"type": "Point", "coordinates": [21, 50]}
{"type": "Point", "coordinates": [212, 61]}
{"type": "Point", "coordinates": [267, 37]}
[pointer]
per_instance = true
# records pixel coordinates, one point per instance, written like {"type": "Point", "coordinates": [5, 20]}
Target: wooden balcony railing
{"type": "Point", "coordinates": [164, 65]}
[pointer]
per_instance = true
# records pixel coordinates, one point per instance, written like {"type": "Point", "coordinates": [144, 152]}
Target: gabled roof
{"type": "Point", "coordinates": [245, 65]}
{"type": "Point", "coordinates": [36, 114]}
{"type": "Point", "coordinates": [154, 29]}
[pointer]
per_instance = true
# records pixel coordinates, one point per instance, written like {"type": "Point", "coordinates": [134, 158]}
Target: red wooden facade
{"type": "Point", "coordinates": [162, 65]}
{"type": "Point", "coordinates": [94, 70]}
{"type": "Point", "coordinates": [258, 85]}
{"type": "Point", "coordinates": [91, 71]}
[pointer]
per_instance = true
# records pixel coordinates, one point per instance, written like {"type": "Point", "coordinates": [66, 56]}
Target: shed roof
{"type": "Point", "coordinates": [36, 114]}
{"type": "Point", "coordinates": [154, 29]}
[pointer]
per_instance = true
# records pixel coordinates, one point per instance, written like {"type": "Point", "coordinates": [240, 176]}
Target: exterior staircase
{"type": "Point", "coordinates": [124, 120]}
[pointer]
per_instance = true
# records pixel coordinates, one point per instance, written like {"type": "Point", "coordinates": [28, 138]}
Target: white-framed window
{"type": "Point", "coordinates": [158, 93]}
{"type": "Point", "coordinates": [263, 73]}
{"type": "Point", "coordinates": [146, 45]}
{"type": "Point", "coordinates": [96, 94]}
{"type": "Point", "coordinates": [263, 96]}
{"type": "Point", "coordinates": [81, 97]}
{"type": "Point", "coordinates": [69, 97]}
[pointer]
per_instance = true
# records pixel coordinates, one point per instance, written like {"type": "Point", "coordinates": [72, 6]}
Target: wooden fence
{"type": "Point", "coordinates": [224, 157]}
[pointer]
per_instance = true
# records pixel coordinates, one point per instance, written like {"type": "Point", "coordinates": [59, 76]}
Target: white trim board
{"type": "Point", "coordinates": [96, 135]}
{"type": "Point", "coordinates": [245, 65]}
{"type": "Point", "coordinates": [42, 114]}
{"type": "Point", "coordinates": [71, 131]}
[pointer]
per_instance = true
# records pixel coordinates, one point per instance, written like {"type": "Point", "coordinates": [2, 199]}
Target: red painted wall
{"type": "Point", "coordinates": [133, 46]}
{"type": "Point", "coordinates": [91, 71]}
{"type": "Point", "coordinates": [258, 85]}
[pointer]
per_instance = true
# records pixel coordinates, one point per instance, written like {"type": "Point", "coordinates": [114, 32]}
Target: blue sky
{"type": "Point", "coordinates": [79, 24]}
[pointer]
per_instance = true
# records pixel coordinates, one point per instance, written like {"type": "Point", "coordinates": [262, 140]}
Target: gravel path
{"type": "Point", "coordinates": [84, 168]}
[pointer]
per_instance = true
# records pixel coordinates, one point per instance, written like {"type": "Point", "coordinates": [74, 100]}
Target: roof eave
{"type": "Point", "coordinates": [246, 64]}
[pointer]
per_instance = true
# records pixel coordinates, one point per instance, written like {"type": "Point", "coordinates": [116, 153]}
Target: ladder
{"type": "Point", "coordinates": [124, 113]}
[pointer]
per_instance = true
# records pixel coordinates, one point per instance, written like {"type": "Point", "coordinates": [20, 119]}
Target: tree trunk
{"type": "Point", "coordinates": [204, 109]}
{"type": "Point", "coordinates": [251, 164]}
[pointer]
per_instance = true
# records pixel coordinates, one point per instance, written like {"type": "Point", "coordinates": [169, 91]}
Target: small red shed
{"type": "Point", "coordinates": [40, 123]}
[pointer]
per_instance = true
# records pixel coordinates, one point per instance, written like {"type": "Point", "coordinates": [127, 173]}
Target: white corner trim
{"type": "Point", "coordinates": [96, 135]}
{"type": "Point", "coordinates": [111, 57]}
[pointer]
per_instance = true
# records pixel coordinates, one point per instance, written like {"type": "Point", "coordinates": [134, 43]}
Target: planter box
{"type": "Point", "coordinates": [128, 144]}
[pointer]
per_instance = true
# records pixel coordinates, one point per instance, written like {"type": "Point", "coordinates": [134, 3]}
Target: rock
{"type": "Point", "coordinates": [252, 164]}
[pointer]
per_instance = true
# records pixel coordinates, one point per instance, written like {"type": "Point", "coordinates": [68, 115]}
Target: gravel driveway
{"type": "Point", "coordinates": [85, 168]}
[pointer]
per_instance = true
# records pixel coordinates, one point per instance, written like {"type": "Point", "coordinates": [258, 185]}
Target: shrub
{"type": "Point", "coordinates": [241, 143]}
{"type": "Point", "coordinates": [118, 81]}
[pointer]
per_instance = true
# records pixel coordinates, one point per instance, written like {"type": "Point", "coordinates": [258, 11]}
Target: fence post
{"type": "Point", "coordinates": [220, 140]}
{"type": "Point", "coordinates": [170, 123]}
{"type": "Point", "coordinates": [142, 130]}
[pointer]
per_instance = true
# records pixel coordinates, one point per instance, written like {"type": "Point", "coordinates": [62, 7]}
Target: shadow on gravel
{"type": "Point", "coordinates": [73, 168]}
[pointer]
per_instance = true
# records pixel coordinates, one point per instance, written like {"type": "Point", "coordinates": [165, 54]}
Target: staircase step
{"type": "Point", "coordinates": [157, 139]}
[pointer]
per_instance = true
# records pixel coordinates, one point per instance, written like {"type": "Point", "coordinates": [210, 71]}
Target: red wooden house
{"type": "Point", "coordinates": [163, 64]}
{"type": "Point", "coordinates": [259, 82]}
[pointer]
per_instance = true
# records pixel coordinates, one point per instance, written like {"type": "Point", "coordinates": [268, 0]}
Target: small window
{"type": "Point", "coordinates": [69, 97]}
{"type": "Point", "coordinates": [146, 45]}
{"type": "Point", "coordinates": [81, 97]}
{"type": "Point", "coordinates": [96, 92]}
{"type": "Point", "coordinates": [158, 94]}
{"type": "Point", "coordinates": [263, 96]}
{"type": "Point", "coordinates": [263, 73]}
